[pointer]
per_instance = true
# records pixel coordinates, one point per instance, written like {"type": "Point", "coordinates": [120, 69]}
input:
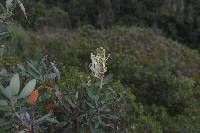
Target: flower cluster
{"type": "Point", "coordinates": [98, 65]}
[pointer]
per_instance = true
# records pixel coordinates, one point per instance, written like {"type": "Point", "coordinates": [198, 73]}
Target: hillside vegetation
{"type": "Point", "coordinates": [178, 19]}
{"type": "Point", "coordinates": [90, 66]}
{"type": "Point", "coordinates": [162, 76]}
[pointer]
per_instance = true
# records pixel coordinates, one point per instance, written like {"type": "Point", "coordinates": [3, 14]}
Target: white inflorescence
{"type": "Point", "coordinates": [98, 65]}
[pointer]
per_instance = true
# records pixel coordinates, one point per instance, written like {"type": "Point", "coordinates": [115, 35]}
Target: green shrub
{"type": "Point", "coordinates": [147, 124]}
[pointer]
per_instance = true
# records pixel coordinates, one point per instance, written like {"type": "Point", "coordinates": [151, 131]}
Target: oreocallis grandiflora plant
{"type": "Point", "coordinates": [91, 106]}
{"type": "Point", "coordinates": [53, 105]}
{"type": "Point", "coordinates": [18, 106]}
{"type": "Point", "coordinates": [18, 109]}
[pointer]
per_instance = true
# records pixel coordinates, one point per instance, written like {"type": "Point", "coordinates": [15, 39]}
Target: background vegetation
{"type": "Point", "coordinates": [153, 68]}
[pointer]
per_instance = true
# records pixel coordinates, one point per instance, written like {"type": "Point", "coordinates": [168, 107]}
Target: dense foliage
{"type": "Point", "coordinates": [162, 75]}
{"type": "Point", "coordinates": [148, 84]}
{"type": "Point", "coordinates": [178, 19]}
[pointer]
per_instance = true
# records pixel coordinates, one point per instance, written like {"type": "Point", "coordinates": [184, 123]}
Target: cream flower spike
{"type": "Point", "coordinates": [98, 65]}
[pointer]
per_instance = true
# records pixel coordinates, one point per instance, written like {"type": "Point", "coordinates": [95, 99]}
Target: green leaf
{"type": "Point", "coordinates": [70, 101]}
{"type": "Point", "coordinates": [28, 89]}
{"type": "Point", "coordinates": [4, 33]}
{"type": "Point", "coordinates": [4, 108]}
{"type": "Point", "coordinates": [44, 118]}
{"type": "Point", "coordinates": [3, 103]}
{"type": "Point", "coordinates": [22, 131]}
{"type": "Point", "coordinates": [7, 92]}
{"type": "Point", "coordinates": [61, 124]}
{"type": "Point", "coordinates": [3, 9]}
{"type": "Point", "coordinates": [96, 124]}
{"type": "Point", "coordinates": [90, 105]}
{"type": "Point", "coordinates": [111, 117]}
{"type": "Point", "coordinates": [33, 71]}
{"type": "Point", "coordinates": [52, 120]}
{"type": "Point", "coordinates": [15, 84]}
{"type": "Point", "coordinates": [4, 123]}
{"type": "Point", "coordinates": [13, 88]}
{"type": "Point", "coordinates": [3, 30]}
{"type": "Point", "coordinates": [91, 95]}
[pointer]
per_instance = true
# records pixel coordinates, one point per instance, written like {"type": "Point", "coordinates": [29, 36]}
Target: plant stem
{"type": "Point", "coordinates": [60, 101]}
{"type": "Point", "coordinates": [33, 119]}
{"type": "Point", "coordinates": [101, 84]}
{"type": "Point", "coordinates": [40, 120]}
{"type": "Point", "coordinates": [18, 117]}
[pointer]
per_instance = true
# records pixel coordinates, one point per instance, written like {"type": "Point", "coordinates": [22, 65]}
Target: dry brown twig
{"type": "Point", "coordinates": [21, 6]}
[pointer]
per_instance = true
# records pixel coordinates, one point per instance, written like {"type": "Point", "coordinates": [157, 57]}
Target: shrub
{"type": "Point", "coordinates": [91, 106]}
{"type": "Point", "coordinates": [155, 85]}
